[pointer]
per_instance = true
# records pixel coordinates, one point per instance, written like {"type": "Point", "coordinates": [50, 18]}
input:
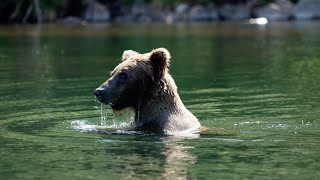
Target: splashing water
{"type": "Point", "coordinates": [124, 118]}
{"type": "Point", "coordinates": [121, 121]}
{"type": "Point", "coordinates": [103, 116]}
{"type": "Point", "coordinates": [83, 125]}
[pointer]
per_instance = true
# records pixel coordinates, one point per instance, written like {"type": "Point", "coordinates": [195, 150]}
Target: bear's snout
{"type": "Point", "coordinates": [100, 94]}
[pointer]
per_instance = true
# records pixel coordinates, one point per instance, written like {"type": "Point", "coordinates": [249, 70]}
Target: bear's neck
{"type": "Point", "coordinates": [156, 108]}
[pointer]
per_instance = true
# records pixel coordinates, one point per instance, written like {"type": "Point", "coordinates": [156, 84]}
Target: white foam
{"type": "Point", "coordinates": [84, 125]}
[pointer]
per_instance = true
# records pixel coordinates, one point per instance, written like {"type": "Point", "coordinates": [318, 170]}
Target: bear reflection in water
{"type": "Point", "coordinates": [142, 83]}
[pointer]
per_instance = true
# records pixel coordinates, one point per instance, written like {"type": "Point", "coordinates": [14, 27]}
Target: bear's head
{"type": "Point", "coordinates": [134, 79]}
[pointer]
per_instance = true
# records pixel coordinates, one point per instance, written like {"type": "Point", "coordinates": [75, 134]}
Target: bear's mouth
{"type": "Point", "coordinates": [102, 99]}
{"type": "Point", "coordinates": [109, 99]}
{"type": "Point", "coordinates": [114, 106]}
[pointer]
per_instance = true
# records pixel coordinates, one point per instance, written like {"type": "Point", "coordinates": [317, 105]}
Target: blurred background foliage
{"type": "Point", "coordinates": [31, 10]}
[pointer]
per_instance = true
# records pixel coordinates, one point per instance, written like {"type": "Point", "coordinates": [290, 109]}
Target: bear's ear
{"type": "Point", "coordinates": [160, 59]}
{"type": "Point", "coordinates": [127, 53]}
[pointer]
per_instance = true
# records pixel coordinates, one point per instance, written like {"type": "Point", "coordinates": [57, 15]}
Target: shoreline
{"type": "Point", "coordinates": [142, 12]}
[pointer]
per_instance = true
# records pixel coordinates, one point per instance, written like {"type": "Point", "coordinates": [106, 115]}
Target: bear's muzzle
{"type": "Point", "coordinates": [105, 97]}
{"type": "Point", "coordinates": [100, 94]}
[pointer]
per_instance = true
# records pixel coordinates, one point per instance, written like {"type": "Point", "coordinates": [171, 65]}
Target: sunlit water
{"type": "Point", "coordinates": [255, 88]}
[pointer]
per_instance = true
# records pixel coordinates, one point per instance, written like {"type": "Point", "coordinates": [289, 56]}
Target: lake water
{"type": "Point", "coordinates": [256, 87]}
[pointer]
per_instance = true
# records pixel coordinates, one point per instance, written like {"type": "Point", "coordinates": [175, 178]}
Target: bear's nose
{"type": "Point", "coordinates": [98, 92]}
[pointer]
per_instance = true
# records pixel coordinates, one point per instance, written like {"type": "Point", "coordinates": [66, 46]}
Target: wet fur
{"type": "Point", "coordinates": [153, 93]}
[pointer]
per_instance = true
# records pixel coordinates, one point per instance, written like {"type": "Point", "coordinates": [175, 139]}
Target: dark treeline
{"type": "Point", "coordinates": [73, 11]}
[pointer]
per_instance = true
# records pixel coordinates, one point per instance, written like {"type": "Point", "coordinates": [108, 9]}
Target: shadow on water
{"type": "Point", "coordinates": [173, 151]}
{"type": "Point", "coordinates": [140, 148]}
{"type": "Point", "coordinates": [170, 150]}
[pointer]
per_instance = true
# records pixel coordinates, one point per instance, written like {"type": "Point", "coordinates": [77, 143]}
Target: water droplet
{"type": "Point", "coordinates": [103, 116]}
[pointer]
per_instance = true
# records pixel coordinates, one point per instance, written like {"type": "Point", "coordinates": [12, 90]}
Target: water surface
{"type": "Point", "coordinates": [258, 83]}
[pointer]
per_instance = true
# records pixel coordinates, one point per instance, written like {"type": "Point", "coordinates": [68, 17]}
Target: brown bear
{"type": "Point", "coordinates": [142, 82]}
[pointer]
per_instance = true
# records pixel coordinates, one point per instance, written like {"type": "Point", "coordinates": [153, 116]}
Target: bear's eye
{"type": "Point", "coordinates": [123, 76]}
